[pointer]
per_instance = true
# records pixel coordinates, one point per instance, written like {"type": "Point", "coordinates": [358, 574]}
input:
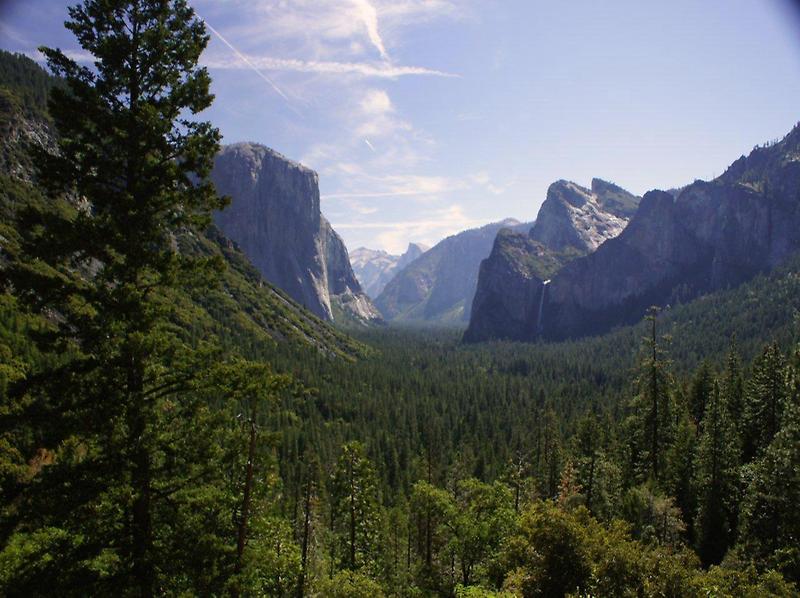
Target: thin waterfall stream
{"type": "Point", "coordinates": [539, 323]}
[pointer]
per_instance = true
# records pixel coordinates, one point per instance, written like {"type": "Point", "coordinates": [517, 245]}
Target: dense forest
{"type": "Point", "coordinates": [171, 425]}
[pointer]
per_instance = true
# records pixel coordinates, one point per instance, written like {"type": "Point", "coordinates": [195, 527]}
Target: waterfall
{"type": "Point", "coordinates": [539, 324]}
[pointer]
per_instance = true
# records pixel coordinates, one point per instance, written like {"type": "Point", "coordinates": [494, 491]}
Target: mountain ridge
{"type": "Point", "coordinates": [438, 286]}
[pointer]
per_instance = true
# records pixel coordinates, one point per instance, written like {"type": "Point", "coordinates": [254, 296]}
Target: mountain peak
{"type": "Point", "coordinates": [577, 218]}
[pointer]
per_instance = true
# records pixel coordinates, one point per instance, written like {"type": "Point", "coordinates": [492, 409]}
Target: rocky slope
{"type": "Point", "coordinates": [572, 221]}
{"type": "Point", "coordinates": [275, 218]}
{"type": "Point", "coordinates": [438, 287]}
{"type": "Point", "coordinates": [244, 310]}
{"type": "Point", "coordinates": [374, 268]}
{"type": "Point", "coordinates": [679, 245]}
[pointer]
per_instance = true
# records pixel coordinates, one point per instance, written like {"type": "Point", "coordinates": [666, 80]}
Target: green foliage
{"type": "Point", "coordinates": [651, 422]}
{"type": "Point", "coordinates": [355, 513]}
{"type": "Point", "coordinates": [716, 470]}
{"type": "Point", "coordinates": [27, 81]}
{"type": "Point", "coordinates": [770, 517]}
{"type": "Point", "coordinates": [350, 584]}
{"type": "Point", "coordinates": [546, 554]}
{"type": "Point", "coordinates": [765, 398]}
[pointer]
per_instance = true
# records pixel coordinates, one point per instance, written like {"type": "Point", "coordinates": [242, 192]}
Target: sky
{"type": "Point", "coordinates": [427, 117]}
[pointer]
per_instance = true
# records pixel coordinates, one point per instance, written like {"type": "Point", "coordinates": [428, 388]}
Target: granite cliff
{"type": "Point", "coordinates": [275, 218]}
{"type": "Point", "coordinates": [679, 245]}
{"type": "Point", "coordinates": [512, 282]}
{"type": "Point", "coordinates": [438, 287]}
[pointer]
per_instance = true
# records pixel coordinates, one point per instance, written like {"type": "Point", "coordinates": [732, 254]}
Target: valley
{"type": "Point", "coordinates": [205, 392]}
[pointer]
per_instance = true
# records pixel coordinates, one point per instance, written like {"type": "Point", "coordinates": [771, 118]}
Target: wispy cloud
{"type": "Point", "coordinates": [369, 16]}
{"type": "Point", "coordinates": [381, 70]}
{"type": "Point", "coordinates": [433, 226]}
{"type": "Point", "coordinates": [246, 61]}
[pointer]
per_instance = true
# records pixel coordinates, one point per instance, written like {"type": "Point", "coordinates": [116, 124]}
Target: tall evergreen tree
{"type": "Point", "coordinates": [765, 401]}
{"type": "Point", "coordinates": [716, 472]}
{"type": "Point", "coordinates": [651, 424]}
{"type": "Point", "coordinates": [732, 386]}
{"type": "Point", "coordinates": [133, 450]}
{"type": "Point", "coordinates": [700, 391]}
{"type": "Point", "coordinates": [356, 512]}
{"type": "Point", "coordinates": [770, 519]}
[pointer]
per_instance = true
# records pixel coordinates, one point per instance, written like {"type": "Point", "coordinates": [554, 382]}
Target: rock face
{"type": "Point", "coordinates": [438, 287]}
{"type": "Point", "coordinates": [375, 268]}
{"type": "Point", "coordinates": [679, 245]}
{"type": "Point", "coordinates": [274, 216]}
{"type": "Point", "coordinates": [575, 218]}
{"type": "Point", "coordinates": [513, 281]}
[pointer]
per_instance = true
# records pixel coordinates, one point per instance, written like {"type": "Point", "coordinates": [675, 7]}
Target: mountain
{"type": "Point", "coordinates": [572, 222]}
{"type": "Point", "coordinates": [573, 217]}
{"type": "Point", "coordinates": [275, 218]}
{"type": "Point", "coordinates": [679, 245]}
{"type": "Point", "coordinates": [440, 284]}
{"type": "Point", "coordinates": [247, 313]}
{"type": "Point", "coordinates": [374, 268]}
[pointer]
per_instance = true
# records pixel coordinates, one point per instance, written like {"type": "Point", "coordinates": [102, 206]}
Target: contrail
{"type": "Point", "coordinates": [369, 145]}
{"type": "Point", "coordinates": [246, 60]}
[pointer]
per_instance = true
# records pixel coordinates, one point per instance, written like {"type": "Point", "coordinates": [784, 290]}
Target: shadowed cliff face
{"type": "Point", "coordinates": [707, 236]}
{"type": "Point", "coordinates": [573, 221]}
{"type": "Point", "coordinates": [274, 216]}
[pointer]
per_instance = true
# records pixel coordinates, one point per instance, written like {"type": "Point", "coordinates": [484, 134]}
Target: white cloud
{"type": "Point", "coordinates": [332, 56]}
{"type": "Point", "coordinates": [376, 101]}
{"type": "Point", "coordinates": [435, 225]}
{"type": "Point", "coordinates": [383, 70]}
{"type": "Point", "coordinates": [369, 16]}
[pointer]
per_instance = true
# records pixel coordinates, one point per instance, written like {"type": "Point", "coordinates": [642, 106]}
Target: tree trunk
{"type": "Point", "coordinates": [248, 485]}
{"type": "Point", "coordinates": [306, 532]}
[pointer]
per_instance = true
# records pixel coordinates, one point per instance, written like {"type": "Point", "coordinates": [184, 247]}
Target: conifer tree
{"type": "Point", "coordinates": [765, 401]}
{"type": "Point", "coordinates": [550, 456]}
{"type": "Point", "coordinates": [700, 391]}
{"type": "Point", "coordinates": [716, 481]}
{"type": "Point", "coordinates": [356, 512]}
{"type": "Point", "coordinates": [732, 387]}
{"type": "Point", "coordinates": [770, 518]}
{"type": "Point", "coordinates": [133, 444]}
{"type": "Point", "coordinates": [651, 424]}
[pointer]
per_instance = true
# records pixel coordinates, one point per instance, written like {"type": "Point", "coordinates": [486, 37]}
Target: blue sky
{"type": "Point", "coordinates": [426, 117]}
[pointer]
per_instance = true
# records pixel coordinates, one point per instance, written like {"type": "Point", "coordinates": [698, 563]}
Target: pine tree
{"type": "Point", "coordinates": [588, 441]}
{"type": "Point", "coordinates": [135, 448]}
{"type": "Point", "coordinates": [765, 401]}
{"type": "Point", "coordinates": [716, 480]}
{"type": "Point", "coordinates": [651, 425]}
{"type": "Point", "coordinates": [550, 456]}
{"type": "Point", "coordinates": [700, 391]}
{"type": "Point", "coordinates": [770, 519]}
{"type": "Point", "coordinates": [733, 388]}
{"type": "Point", "coordinates": [356, 510]}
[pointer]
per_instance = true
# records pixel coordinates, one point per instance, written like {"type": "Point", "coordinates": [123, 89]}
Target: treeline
{"type": "Point", "coordinates": [26, 80]}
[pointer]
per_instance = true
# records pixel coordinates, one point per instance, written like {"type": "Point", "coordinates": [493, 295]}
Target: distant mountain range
{"type": "Point", "coordinates": [438, 287]}
{"type": "Point", "coordinates": [374, 268]}
{"type": "Point", "coordinates": [677, 246]}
